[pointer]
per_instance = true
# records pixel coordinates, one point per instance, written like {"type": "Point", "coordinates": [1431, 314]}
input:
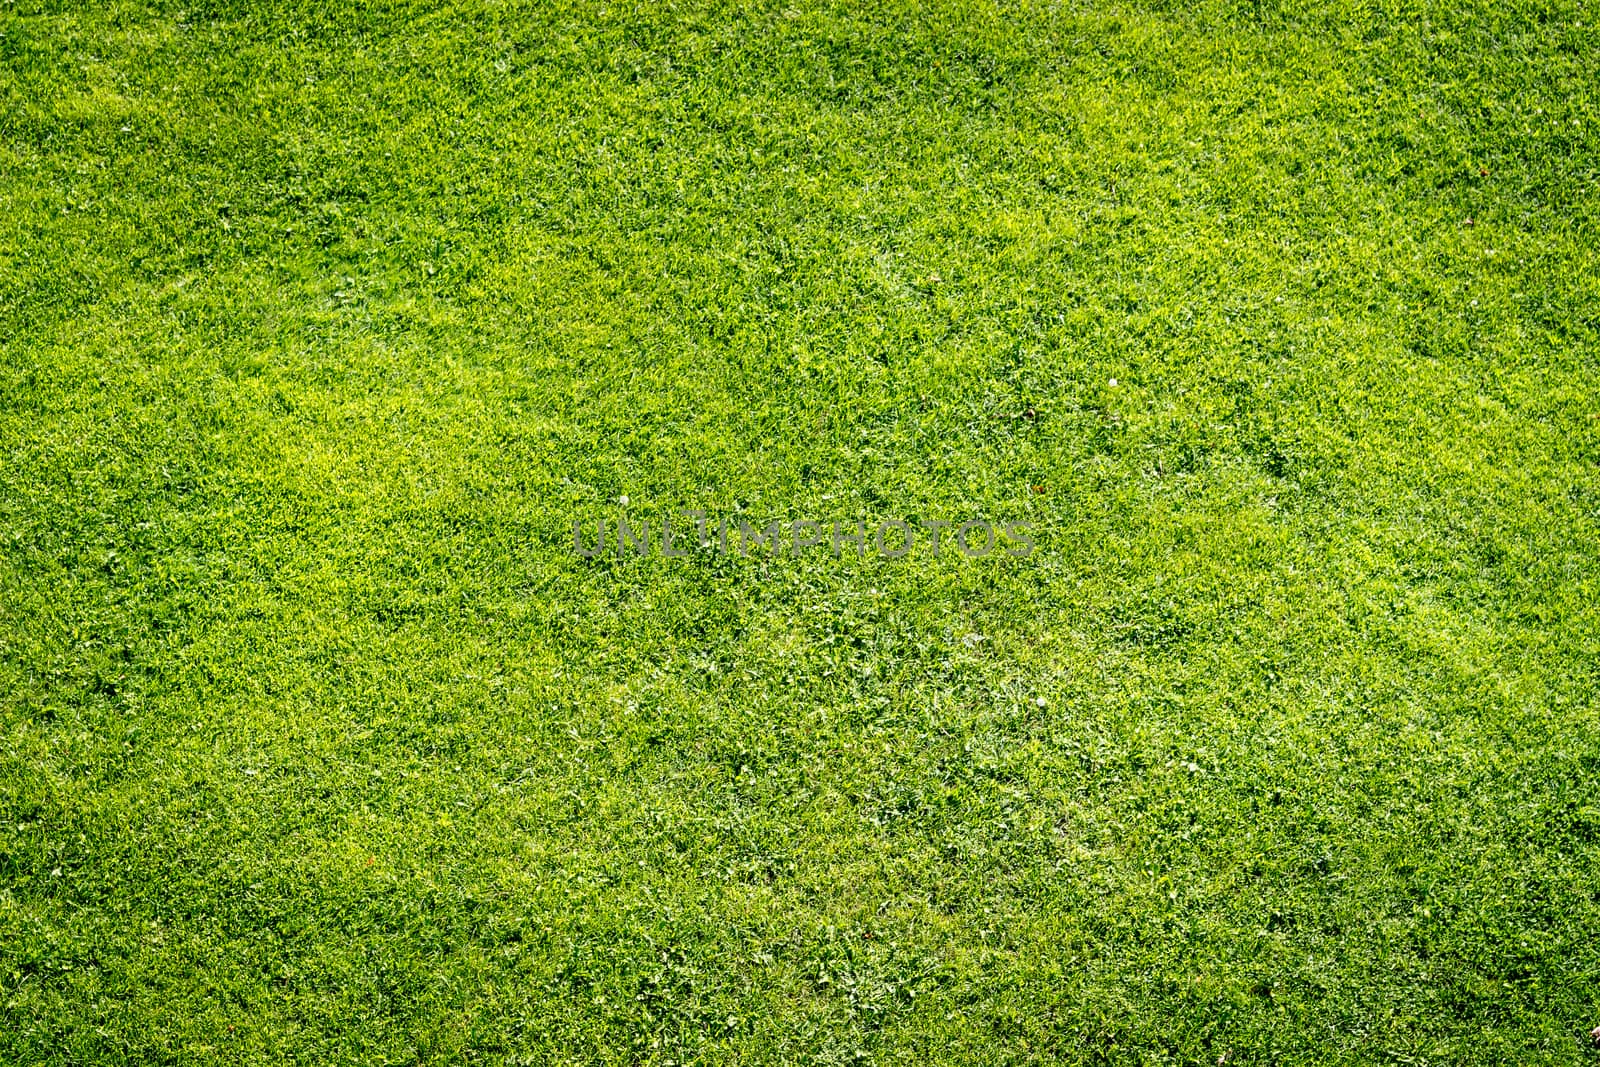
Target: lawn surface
{"type": "Point", "coordinates": [319, 744]}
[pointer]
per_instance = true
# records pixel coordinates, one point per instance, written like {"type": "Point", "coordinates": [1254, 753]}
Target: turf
{"type": "Point", "coordinates": [320, 744]}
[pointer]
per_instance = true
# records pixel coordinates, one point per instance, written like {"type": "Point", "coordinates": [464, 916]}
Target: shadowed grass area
{"type": "Point", "coordinates": [319, 744]}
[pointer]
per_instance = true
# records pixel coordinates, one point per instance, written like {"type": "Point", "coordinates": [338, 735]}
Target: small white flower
{"type": "Point", "coordinates": [623, 500]}
{"type": "Point", "coordinates": [1113, 383]}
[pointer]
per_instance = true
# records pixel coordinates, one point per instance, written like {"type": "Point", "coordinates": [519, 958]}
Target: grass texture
{"type": "Point", "coordinates": [1277, 322]}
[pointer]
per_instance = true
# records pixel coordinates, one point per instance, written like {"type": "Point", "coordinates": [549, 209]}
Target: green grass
{"type": "Point", "coordinates": [318, 744]}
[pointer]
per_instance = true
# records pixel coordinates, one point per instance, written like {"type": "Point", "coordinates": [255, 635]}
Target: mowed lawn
{"type": "Point", "coordinates": [1279, 323]}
